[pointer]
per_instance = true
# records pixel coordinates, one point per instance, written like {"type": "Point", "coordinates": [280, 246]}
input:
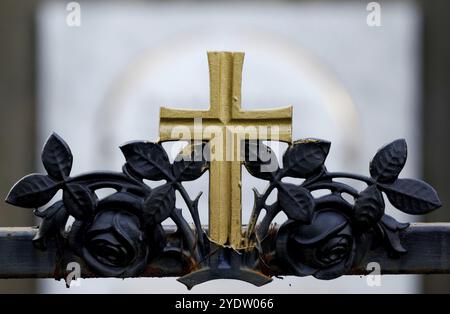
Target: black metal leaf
{"type": "Point", "coordinates": [32, 191]}
{"type": "Point", "coordinates": [305, 156]}
{"type": "Point", "coordinates": [259, 160]}
{"type": "Point", "coordinates": [389, 161]}
{"type": "Point", "coordinates": [297, 202]}
{"type": "Point", "coordinates": [49, 211]}
{"type": "Point", "coordinates": [389, 228]}
{"type": "Point", "coordinates": [393, 240]}
{"type": "Point", "coordinates": [190, 163]}
{"type": "Point", "coordinates": [149, 160]}
{"type": "Point", "coordinates": [412, 196]}
{"type": "Point", "coordinates": [392, 224]}
{"type": "Point", "coordinates": [369, 207]}
{"type": "Point", "coordinates": [158, 206]}
{"type": "Point", "coordinates": [57, 157]}
{"type": "Point", "coordinates": [79, 201]}
{"type": "Point", "coordinates": [54, 219]}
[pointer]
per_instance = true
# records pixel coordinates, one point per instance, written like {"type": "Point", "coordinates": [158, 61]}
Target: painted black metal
{"type": "Point", "coordinates": [121, 235]}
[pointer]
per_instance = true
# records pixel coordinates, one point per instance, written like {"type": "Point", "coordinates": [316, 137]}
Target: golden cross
{"type": "Point", "coordinates": [226, 116]}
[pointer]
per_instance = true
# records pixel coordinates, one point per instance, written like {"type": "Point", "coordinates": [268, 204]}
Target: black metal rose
{"type": "Point", "coordinates": [117, 242]}
{"type": "Point", "coordinates": [325, 248]}
{"type": "Point", "coordinates": [114, 244]}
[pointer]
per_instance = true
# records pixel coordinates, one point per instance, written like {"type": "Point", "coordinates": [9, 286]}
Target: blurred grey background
{"type": "Point", "coordinates": [101, 84]}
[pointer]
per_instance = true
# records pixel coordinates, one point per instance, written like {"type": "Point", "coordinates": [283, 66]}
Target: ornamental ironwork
{"type": "Point", "coordinates": [121, 235]}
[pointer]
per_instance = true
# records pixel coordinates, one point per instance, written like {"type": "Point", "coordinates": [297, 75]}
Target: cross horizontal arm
{"type": "Point", "coordinates": [269, 114]}
{"type": "Point", "coordinates": [184, 129]}
{"type": "Point", "coordinates": [427, 245]}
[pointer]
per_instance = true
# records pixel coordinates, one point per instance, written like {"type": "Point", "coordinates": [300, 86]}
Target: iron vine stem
{"type": "Point", "coordinates": [99, 180]}
{"type": "Point", "coordinates": [194, 212]}
{"type": "Point", "coordinates": [365, 179]}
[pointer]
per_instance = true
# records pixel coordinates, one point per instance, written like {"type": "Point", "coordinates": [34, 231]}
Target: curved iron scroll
{"type": "Point", "coordinates": [121, 235]}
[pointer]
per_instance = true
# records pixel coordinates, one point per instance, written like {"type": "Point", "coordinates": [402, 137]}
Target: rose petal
{"type": "Point", "coordinates": [120, 201]}
{"type": "Point", "coordinates": [102, 221]}
{"type": "Point", "coordinates": [338, 269]}
{"type": "Point", "coordinates": [127, 227]}
{"type": "Point", "coordinates": [324, 223]}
